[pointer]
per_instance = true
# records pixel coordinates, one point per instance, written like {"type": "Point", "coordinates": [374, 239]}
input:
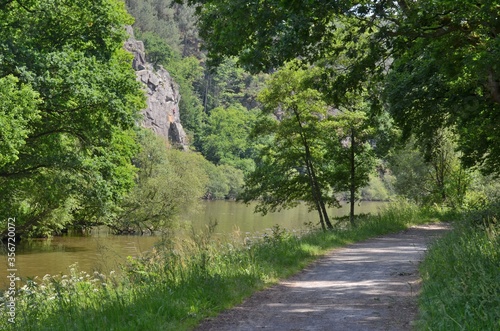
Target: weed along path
{"type": "Point", "coordinates": [370, 285]}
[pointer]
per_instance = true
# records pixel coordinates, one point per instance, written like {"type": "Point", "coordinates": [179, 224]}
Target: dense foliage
{"type": "Point", "coordinates": [446, 74]}
{"type": "Point", "coordinates": [168, 181]}
{"type": "Point", "coordinates": [334, 85]}
{"type": "Point", "coordinates": [69, 106]}
{"type": "Point", "coordinates": [440, 56]}
{"type": "Point", "coordinates": [70, 103]}
{"type": "Point", "coordinates": [312, 151]}
{"type": "Point", "coordinates": [70, 152]}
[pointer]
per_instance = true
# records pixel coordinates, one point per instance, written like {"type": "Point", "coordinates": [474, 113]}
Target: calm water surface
{"type": "Point", "coordinates": [102, 251]}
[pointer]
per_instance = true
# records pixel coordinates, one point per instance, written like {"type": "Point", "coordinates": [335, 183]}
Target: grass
{"type": "Point", "coordinates": [461, 277]}
{"type": "Point", "coordinates": [179, 284]}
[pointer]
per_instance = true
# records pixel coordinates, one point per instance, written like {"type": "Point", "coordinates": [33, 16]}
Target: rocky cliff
{"type": "Point", "coordinates": [162, 112]}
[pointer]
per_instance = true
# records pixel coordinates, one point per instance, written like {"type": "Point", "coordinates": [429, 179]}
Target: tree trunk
{"type": "Point", "coordinates": [321, 220]}
{"type": "Point", "coordinates": [316, 193]}
{"type": "Point", "coordinates": [325, 212]}
{"type": "Point", "coordinates": [353, 178]}
{"type": "Point", "coordinates": [315, 187]}
{"type": "Point", "coordinates": [208, 79]}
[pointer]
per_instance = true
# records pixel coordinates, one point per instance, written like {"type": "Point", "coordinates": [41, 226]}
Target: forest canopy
{"type": "Point", "coordinates": [437, 60]}
{"type": "Point", "coordinates": [71, 102]}
{"type": "Point", "coordinates": [71, 150]}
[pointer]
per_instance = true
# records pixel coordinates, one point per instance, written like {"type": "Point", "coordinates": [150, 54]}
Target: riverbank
{"type": "Point", "coordinates": [102, 251]}
{"type": "Point", "coordinates": [180, 284]}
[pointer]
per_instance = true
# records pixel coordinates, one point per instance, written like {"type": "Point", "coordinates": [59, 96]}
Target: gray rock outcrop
{"type": "Point", "coordinates": [162, 112]}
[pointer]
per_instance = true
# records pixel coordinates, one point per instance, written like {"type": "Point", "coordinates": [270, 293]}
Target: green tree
{"type": "Point", "coordinates": [218, 185]}
{"type": "Point", "coordinates": [433, 175]}
{"type": "Point", "coordinates": [235, 179]}
{"type": "Point", "coordinates": [289, 169]}
{"type": "Point", "coordinates": [315, 151]}
{"type": "Point", "coordinates": [72, 158]}
{"type": "Point", "coordinates": [188, 72]}
{"type": "Point", "coordinates": [264, 35]}
{"type": "Point", "coordinates": [168, 182]}
{"type": "Point", "coordinates": [410, 170]}
{"type": "Point", "coordinates": [17, 113]}
{"type": "Point", "coordinates": [229, 84]}
{"type": "Point", "coordinates": [351, 158]}
{"type": "Point", "coordinates": [442, 56]}
{"type": "Point", "coordinates": [158, 52]}
{"type": "Point", "coordinates": [157, 17]}
{"type": "Point", "coordinates": [431, 87]}
{"type": "Point", "coordinates": [225, 139]}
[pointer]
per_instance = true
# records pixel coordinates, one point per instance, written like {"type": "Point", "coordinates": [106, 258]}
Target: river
{"type": "Point", "coordinates": [103, 251]}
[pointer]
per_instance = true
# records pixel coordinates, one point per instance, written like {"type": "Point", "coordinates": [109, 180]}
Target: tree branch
{"type": "Point", "coordinates": [23, 172]}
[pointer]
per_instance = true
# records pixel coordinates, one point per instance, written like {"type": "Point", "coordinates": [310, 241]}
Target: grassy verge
{"type": "Point", "coordinates": [461, 277]}
{"type": "Point", "coordinates": [179, 284]}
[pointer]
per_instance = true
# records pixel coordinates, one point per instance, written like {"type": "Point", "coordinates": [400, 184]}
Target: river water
{"type": "Point", "coordinates": [102, 251]}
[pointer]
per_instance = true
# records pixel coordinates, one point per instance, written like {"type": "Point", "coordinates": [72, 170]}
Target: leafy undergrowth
{"type": "Point", "coordinates": [461, 277]}
{"type": "Point", "coordinates": [179, 284]}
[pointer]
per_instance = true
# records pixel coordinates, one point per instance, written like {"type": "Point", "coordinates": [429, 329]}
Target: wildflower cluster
{"type": "Point", "coordinates": [42, 297]}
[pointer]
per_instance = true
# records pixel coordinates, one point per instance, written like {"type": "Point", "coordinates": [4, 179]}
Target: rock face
{"type": "Point", "coordinates": [162, 112]}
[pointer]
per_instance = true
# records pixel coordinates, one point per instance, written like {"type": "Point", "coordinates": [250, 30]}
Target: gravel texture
{"type": "Point", "coordinates": [370, 285]}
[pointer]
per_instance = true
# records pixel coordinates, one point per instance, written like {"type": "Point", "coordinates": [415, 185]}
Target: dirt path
{"type": "Point", "coordinates": [371, 285]}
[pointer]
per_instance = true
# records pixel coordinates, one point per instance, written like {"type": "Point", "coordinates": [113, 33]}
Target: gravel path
{"type": "Point", "coordinates": [371, 285]}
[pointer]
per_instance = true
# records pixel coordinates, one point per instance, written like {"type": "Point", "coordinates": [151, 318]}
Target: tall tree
{"type": "Point", "coordinates": [443, 54]}
{"type": "Point", "coordinates": [447, 74]}
{"type": "Point", "coordinates": [70, 160]}
{"type": "Point", "coordinates": [315, 151]}
{"type": "Point", "coordinates": [289, 168]}
{"type": "Point", "coordinates": [351, 159]}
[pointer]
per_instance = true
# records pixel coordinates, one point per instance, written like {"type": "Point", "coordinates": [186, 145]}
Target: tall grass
{"type": "Point", "coordinates": [180, 283]}
{"type": "Point", "coordinates": [461, 277]}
